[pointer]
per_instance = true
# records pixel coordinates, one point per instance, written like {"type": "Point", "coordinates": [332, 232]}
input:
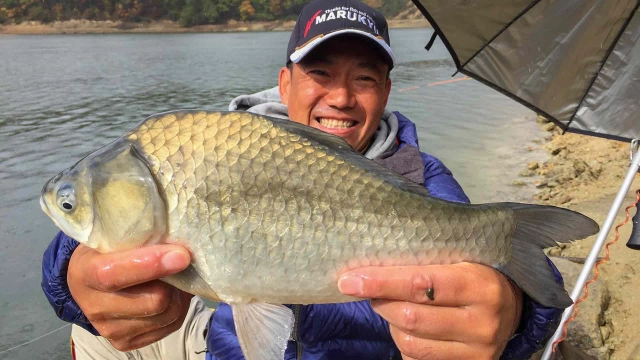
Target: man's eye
{"type": "Point", "coordinates": [367, 78]}
{"type": "Point", "coordinates": [318, 72]}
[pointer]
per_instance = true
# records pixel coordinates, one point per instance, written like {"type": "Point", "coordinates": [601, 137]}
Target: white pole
{"type": "Point", "coordinates": [595, 250]}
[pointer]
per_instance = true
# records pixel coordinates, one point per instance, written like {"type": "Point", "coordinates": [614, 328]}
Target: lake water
{"type": "Point", "coordinates": [62, 96]}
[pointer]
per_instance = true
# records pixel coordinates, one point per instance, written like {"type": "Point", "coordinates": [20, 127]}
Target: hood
{"type": "Point", "coordinates": [267, 102]}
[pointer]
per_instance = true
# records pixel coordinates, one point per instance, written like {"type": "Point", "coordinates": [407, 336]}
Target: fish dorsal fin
{"type": "Point", "coordinates": [263, 329]}
{"type": "Point", "coordinates": [340, 147]}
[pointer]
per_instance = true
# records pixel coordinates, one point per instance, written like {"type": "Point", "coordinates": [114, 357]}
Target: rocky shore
{"type": "Point", "coordinates": [584, 173]}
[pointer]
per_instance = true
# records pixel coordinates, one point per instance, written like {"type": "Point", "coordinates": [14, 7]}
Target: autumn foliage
{"type": "Point", "coordinates": [186, 12]}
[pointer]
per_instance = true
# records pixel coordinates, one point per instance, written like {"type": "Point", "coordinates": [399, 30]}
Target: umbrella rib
{"type": "Point", "coordinates": [531, 5]}
{"type": "Point", "coordinates": [437, 29]}
{"type": "Point", "coordinates": [634, 12]}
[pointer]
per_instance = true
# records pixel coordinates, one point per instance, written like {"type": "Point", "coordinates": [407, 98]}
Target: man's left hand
{"type": "Point", "coordinates": [459, 311]}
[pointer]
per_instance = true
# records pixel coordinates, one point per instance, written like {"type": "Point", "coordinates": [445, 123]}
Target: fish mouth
{"type": "Point", "coordinates": [44, 207]}
{"type": "Point", "coordinates": [45, 191]}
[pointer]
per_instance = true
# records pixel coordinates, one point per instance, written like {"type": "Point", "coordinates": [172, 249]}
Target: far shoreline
{"type": "Point", "coordinates": [165, 27]}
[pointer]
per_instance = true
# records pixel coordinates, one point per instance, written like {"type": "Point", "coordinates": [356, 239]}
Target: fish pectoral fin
{"type": "Point", "coordinates": [263, 329]}
{"type": "Point", "coordinates": [190, 281]}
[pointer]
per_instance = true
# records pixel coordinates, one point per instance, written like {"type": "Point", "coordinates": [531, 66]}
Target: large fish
{"type": "Point", "coordinates": [274, 211]}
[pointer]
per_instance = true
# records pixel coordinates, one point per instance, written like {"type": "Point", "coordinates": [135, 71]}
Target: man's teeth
{"type": "Point", "coordinates": [336, 124]}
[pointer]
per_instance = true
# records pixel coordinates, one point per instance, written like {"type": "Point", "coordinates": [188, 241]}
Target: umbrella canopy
{"type": "Point", "coordinates": [575, 62]}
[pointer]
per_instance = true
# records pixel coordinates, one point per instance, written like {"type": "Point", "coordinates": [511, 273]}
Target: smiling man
{"type": "Point", "coordinates": [341, 88]}
{"type": "Point", "coordinates": [336, 79]}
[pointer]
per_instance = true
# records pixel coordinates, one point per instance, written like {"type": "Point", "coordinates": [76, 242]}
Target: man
{"type": "Point", "coordinates": [336, 79]}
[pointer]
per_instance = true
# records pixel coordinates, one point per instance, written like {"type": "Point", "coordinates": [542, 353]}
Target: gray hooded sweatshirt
{"type": "Point", "coordinates": [268, 103]}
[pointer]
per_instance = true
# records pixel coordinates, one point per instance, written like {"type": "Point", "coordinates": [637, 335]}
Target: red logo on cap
{"type": "Point", "coordinates": [310, 22]}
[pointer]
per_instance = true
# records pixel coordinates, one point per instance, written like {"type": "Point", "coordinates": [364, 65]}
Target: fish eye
{"type": "Point", "coordinates": [66, 198]}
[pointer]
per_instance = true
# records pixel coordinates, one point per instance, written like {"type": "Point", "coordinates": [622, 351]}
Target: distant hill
{"type": "Point", "coordinates": [185, 12]}
{"type": "Point", "coordinates": [409, 12]}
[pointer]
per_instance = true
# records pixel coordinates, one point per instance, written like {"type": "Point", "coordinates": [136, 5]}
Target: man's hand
{"type": "Point", "coordinates": [460, 311]}
{"type": "Point", "coordinates": [120, 295]}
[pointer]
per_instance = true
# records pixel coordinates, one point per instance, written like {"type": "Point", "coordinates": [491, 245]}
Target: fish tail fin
{"type": "Point", "coordinates": [538, 227]}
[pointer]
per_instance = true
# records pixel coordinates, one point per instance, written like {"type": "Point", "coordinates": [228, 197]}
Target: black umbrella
{"type": "Point", "coordinates": [575, 62]}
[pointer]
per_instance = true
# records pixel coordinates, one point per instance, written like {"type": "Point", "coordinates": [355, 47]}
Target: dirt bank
{"type": "Point", "coordinates": [584, 173]}
{"type": "Point", "coordinates": [164, 26]}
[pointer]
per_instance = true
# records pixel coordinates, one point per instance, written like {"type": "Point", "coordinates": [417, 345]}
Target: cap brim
{"type": "Point", "coordinates": [300, 53]}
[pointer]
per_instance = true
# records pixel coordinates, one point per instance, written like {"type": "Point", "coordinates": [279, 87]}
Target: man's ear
{"type": "Point", "coordinates": [284, 84]}
{"type": "Point", "coordinates": [387, 91]}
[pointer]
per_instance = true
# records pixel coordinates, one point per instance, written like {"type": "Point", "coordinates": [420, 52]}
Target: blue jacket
{"type": "Point", "coordinates": [327, 331]}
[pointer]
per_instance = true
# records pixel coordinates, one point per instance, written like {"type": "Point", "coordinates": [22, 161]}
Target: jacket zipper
{"type": "Point", "coordinates": [294, 333]}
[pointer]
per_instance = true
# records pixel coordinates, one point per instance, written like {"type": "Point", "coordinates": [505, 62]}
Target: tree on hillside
{"type": "Point", "coordinates": [275, 7]}
{"type": "Point", "coordinates": [373, 3]}
{"type": "Point", "coordinates": [246, 10]}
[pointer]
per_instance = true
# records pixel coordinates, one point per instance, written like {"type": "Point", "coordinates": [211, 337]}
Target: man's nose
{"type": "Point", "coordinates": [341, 97]}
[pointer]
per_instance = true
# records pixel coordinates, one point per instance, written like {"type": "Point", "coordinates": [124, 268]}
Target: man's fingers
{"type": "Point", "coordinates": [444, 285]}
{"type": "Point", "coordinates": [413, 347]}
{"type": "Point", "coordinates": [149, 337]}
{"type": "Point", "coordinates": [416, 348]}
{"type": "Point", "coordinates": [437, 322]}
{"type": "Point", "coordinates": [114, 271]}
{"type": "Point", "coordinates": [126, 329]}
{"type": "Point", "coordinates": [144, 300]}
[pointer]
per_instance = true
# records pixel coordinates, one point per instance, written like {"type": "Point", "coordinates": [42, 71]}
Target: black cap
{"type": "Point", "coordinates": [320, 20]}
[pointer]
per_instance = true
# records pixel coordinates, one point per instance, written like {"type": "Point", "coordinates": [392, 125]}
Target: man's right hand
{"type": "Point", "coordinates": [120, 295]}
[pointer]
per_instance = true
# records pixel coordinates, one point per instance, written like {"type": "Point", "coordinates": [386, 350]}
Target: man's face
{"type": "Point", "coordinates": [341, 87]}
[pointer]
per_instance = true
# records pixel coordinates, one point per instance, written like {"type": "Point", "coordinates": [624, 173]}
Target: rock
{"type": "Point", "coordinates": [605, 331]}
{"type": "Point", "coordinates": [527, 173]}
{"type": "Point", "coordinates": [596, 169]}
{"type": "Point", "coordinates": [542, 184]}
{"type": "Point", "coordinates": [519, 183]}
{"type": "Point", "coordinates": [533, 165]}
{"type": "Point", "coordinates": [580, 166]}
{"type": "Point", "coordinates": [585, 331]}
{"type": "Point", "coordinates": [556, 150]}
{"type": "Point", "coordinates": [563, 199]}
{"type": "Point", "coordinates": [601, 353]}
{"type": "Point", "coordinates": [549, 127]}
{"type": "Point", "coordinates": [562, 173]}
{"type": "Point", "coordinates": [544, 168]}
{"type": "Point", "coordinates": [548, 137]}
{"type": "Point", "coordinates": [542, 120]}
{"type": "Point", "coordinates": [555, 251]}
